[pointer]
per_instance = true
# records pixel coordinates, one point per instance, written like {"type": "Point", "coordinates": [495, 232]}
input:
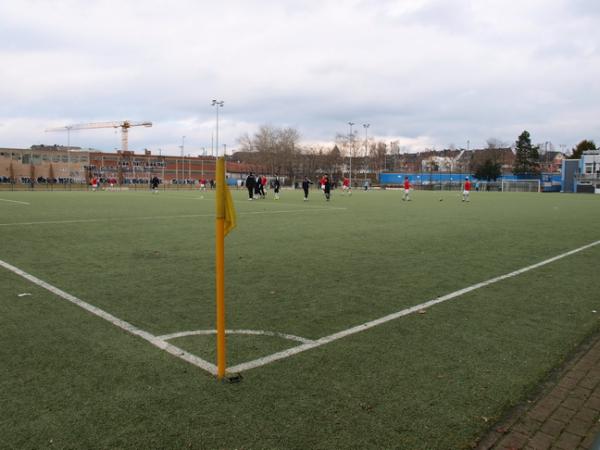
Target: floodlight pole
{"type": "Point", "coordinates": [351, 142]}
{"type": "Point", "coordinates": [203, 155]}
{"type": "Point", "coordinates": [182, 157]}
{"type": "Point", "coordinates": [68, 127]}
{"type": "Point", "coordinates": [366, 127]}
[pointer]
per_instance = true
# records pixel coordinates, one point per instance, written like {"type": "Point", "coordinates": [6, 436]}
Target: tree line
{"type": "Point", "coordinates": [278, 151]}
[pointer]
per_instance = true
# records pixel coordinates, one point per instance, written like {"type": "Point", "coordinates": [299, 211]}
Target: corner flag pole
{"type": "Point", "coordinates": [220, 266]}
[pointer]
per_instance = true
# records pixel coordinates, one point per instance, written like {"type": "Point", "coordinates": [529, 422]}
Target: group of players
{"type": "Point", "coordinates": [256, 186]}
{"type": "Point", "coordinates": [465, 195]}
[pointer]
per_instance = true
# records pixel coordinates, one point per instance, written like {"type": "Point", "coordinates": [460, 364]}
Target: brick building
{"type": "Point", "coordinates": [58, 164]}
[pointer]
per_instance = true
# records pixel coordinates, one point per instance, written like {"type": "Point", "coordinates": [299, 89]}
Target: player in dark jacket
{"type": "Point", "coordinates": [250, 183]}
{"type": "Point", "coordinates": [154, 182]}
{"type": "Point", "coordinates": [276, 187]}
{"type": "Point", "coordinates": [326, 186]}
{"type": "Point", "coordinates": [305, 186]}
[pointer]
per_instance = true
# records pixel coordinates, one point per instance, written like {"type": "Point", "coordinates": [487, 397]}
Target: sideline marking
{"type": "Point", "coordinates": [183, 197]}
{"type": "Point", "coordinates": [373, 323]}
{"type": "Point", "coordinates": [290, 337]}
{"type": "Point", "coordinates": [14, 201]}
{"type": "Point", "coordinates": [183, 216]}
{"type": "Point", "coordinates": [154, 340]}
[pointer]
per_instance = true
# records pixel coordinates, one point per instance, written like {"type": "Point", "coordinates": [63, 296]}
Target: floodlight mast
{"type": "Point", "coordinates": [351, 143]}
{"type": "Point", "coordinates": [218, 104]}
{"type": "Point", "coordinates": [366, 126]}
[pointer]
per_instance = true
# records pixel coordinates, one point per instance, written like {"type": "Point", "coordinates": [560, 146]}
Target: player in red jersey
{"type": "Point", "coordinates": [346, 186]}
{"type": "Point", "coordinates": [407, 186]}
{"type": "Point", "coordinates": [263, 184]}
{"type": "Point", "coordinates": [466, 190]}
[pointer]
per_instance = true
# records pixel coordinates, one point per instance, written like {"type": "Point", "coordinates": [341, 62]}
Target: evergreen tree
{"type": "Point", "coordinates": [527, 158]}
{"type": "Point", "coordinates": [581, 147]}
{"type": "Point", "coordinates": [489, 171]}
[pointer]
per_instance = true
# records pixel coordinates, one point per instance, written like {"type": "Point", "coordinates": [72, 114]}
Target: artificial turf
{"type": "Point", "coordinates": [426, 381]}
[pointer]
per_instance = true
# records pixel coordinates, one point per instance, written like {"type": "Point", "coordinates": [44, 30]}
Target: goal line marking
{"type": "Point", "coordinates": [14, 201]}
{"type": "Point", "coordinates": [373, 323]}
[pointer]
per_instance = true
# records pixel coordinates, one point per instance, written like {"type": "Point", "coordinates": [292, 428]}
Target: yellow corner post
{"type": "Point", "coordinates": [220, 267]}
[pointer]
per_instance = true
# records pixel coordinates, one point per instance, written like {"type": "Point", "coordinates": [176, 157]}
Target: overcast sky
{"type": "Point", "coordinates": [429, 73]}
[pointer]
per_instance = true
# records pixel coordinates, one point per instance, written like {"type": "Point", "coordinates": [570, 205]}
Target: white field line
{"type": "Point", "coordinates": [14, 201]}
{"type": "Point", "coordinates": [183, 216]}
{"type": "Point", "coordinates": [184, 198]}
{"type": "Point", "coordinates": [154, 340]}
{"type": "Point", "coordinates": [290, 337]}
{"type": "Point", "coordinates": [365, 326]}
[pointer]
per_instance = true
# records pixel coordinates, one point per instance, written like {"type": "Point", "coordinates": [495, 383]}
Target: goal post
{"type": "Point", "coordinates": [521, 185]}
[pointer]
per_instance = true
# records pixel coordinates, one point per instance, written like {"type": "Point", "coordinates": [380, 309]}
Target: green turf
{"type": "Point", "coordinates": [310, 269]}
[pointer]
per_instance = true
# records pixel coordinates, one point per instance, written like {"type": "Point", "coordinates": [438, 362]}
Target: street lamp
{"type": "Point", "coordinates": [351, 142]}
{"type": "Point", "coordinates": [68, 127]}
{"type": "Point", "coordinates": [366, 127]}
{"type": "Point", "coordinates": [217, 104]}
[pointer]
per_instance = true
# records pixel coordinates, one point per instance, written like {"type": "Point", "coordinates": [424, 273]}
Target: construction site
{"type": "Point", "coordinates": [58, 166]}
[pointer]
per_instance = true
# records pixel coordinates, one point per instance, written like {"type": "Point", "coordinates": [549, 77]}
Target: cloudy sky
{"type": "Point", "coordinates": [429, 73]}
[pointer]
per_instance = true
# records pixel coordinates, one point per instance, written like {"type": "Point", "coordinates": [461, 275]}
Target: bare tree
{"type": "Point", "coordinates": [493, 143]}
{"type": "Point", "coordinates": [275, 149]}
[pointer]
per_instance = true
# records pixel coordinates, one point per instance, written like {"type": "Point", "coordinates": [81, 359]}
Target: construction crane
{"type": "Point", "coordinates": [124, 126]}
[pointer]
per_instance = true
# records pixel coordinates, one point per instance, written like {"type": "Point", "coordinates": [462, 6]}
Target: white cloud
{"type": "Point", "coordinates": [430, 72]}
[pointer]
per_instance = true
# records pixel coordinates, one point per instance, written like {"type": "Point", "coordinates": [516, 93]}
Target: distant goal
{"type": "Point", "coordinates": [521, 186]}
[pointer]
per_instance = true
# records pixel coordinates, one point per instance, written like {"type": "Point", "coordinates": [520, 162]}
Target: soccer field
{"type": "Point", "coordinates": [327, 308]}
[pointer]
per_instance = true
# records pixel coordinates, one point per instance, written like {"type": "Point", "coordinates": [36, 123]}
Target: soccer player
{"type": "Point", "coordinates": [257, 186]}
{"type": "Point", "coordinates": [326, 183]}
{"type": "Point", "coordinates": [466, 190]}
{"type": "Point", "coordinates": [250, 182]}
{"type": "Point", "coordinates": [407, 186]}
{"type": "Point", "coordinates": [263, 183]}
{"type": "Point", "coordinates": [94, 184]}
{"type": "Point", "coordinates": [203, 184]}
{"type": "Point", "coordinates": [276, 186]}
{"type": "Point", "coordinates": [346, 186]}
{"type": "Point", "coordinates": [305, 185]}
{"type": "Point", "coordinates": [154, 182]}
